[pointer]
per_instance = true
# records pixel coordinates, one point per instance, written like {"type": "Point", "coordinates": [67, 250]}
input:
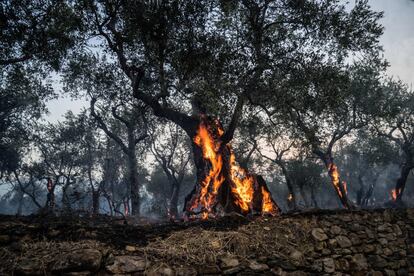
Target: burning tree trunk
{"type": "Point", "coordinates": [339, 186]}
{"type": "Point", "coordinates": [400, 185]}
{"type": "Point", "coordinates": [222, 185]}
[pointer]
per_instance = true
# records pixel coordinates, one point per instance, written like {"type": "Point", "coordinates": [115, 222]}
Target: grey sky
{"type": "Point", "coordinates": [398, 42]}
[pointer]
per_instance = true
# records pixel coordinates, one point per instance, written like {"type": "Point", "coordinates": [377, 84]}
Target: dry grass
{"type": "Point", "coordinates": [263, 237]}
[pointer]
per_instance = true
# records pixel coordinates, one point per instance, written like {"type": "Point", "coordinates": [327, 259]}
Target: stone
{"type": "Point", "coordinates": [369, 248]}
{"type": "Point", "coordinates": [231, 271]}
{"type": "Point", "coordinates": [266, 228]}
{"type": "Point", "coordinates": [376, 273]}
{"type": "Point", "coordinates": [127, 264]}
{"type": "Point", "coordinates": [296, 256]}
{"type": "Point", "coordinates": [336, 230]}
{"type": "Point", "coordinates": [130, 248]}
{"type": "Point", "coordinates": [228, 262]}
{"type": "Point", "coordinates": [343, 241]}
{"type": "Point", "coordinates": [78, 260]}
{"type": "Point", "coordinates": [333, 243]}
{"type": "Point", "coordinates": [318, 234]}
{"type": "Point", "coordinates": [383, 241]}
{"type": "Point", "coordinates": [78, 273]}
{"type": "Point", "coordinates": [278, 272]}
{"type": "Point", "coordinates": [4, 239]}
{"type": "Point", "coordinates": [359, 262]}
{"type": "Point", "coordinates": [29, 267]}
{"type": "Point", "coordinates": [388, 272]}
{"type": "Point", "coordinates": [209, 269]}
{"type": "Point", "coordinates": [184, 271]}
{"type": "Point", "coordinates": [342, 264]}
{"type": "Point", "coordinates": [328, 265]}
{"type": "Point", "coordinates": [377, 262]}
{"type": "Point", "coordinates": [255, 266]}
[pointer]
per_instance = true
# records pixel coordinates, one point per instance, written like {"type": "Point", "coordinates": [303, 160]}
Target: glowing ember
{"type": "Point", "coordinates": [395, 193]}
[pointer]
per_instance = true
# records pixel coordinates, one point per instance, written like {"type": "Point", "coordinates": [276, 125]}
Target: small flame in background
{"type": "Point", "coordinates": [267, 204]}
{"type": "Point", "coordinates": [290, 197]}
{"type": "Point", "coordinates": [243, 189]}
{"type": "Point", "coordinates": [333, 171]}
{"type": "Point", "coordinates": [395, 193]}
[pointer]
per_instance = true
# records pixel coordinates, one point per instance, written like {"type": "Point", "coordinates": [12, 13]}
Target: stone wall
{"type": "Point", "coordinates": [373, 242]}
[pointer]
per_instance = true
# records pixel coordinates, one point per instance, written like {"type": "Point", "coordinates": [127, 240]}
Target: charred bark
{"type": "Point", "coordinates": [401, 181]}
{"type": "Point", "coordinates": [336, 181]}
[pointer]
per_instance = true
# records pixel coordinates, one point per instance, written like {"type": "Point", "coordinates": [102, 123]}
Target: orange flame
{"type": "Point", "coordinates": [334, 173]}
{"type": "Point", "coordinates": [243, 188]}
{"type": "Point", "coordinates": [210, 152]}
{"type": "Point", "coordinates": [267, 204]}
{"type": "Point", "coordinates": [244, 185]}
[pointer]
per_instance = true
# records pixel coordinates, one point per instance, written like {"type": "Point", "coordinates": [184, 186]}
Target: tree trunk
{"type": "Point", "coordinates": [303, 195]}
{"type": "Point", "coordinates": [291, 200]}
{"type": "Point", "coordinates": [173, 209]}
{"type": "Point", "coordinates": [313, 197]}
{"type": "Point", "coordinates": [222, 186]}
{"type": "Point", "coordinates": [95, 202]}
{"type": "Point", "coordinates": [333, 173]}
{"type": "Point", "coordinates": [401, 181]}
{"type": "Point", "coordinates": [133, 183]}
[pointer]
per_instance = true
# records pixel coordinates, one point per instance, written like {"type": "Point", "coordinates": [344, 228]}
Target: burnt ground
{"type": "Point", "coordinates": [316, 242]}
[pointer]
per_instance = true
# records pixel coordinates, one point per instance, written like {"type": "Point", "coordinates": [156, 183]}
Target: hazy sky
{"type": "Point", "coordinates": [398, 42]}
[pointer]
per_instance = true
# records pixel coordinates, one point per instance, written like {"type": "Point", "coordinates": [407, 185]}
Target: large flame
{"type": "Point", "coordinates": [214, 178]}
{"type": "Point", "coordinates": [242, 187]}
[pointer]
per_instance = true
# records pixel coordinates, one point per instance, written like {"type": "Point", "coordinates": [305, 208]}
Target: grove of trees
{"type": "Point", "coordinates": [297, 90]}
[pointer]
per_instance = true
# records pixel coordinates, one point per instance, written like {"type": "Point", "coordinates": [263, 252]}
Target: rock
{"type": "Point", "coordinates": [233, 270]}
{"type": "Point", "coordinates": [333, 243]}
{"type": "Point", "coordinates": [29, 267]}
{"type": "Point", "coordinates": [184, 271]}
{"type": "Point", "coordinates": [342, 264]}
{"type": "Point", "coordinates": [130, 248]}
{"type": "Point", "coordinates": [127, 264]}
{"type": "Point", "coordinates": [359, 262]}
{"type": "Point", "coordinates": [335, 230]}
{"type": "Point", "coordinates": [215, 244]}
{"type": "Point", "coordinates": [376, 273]}
{"type": "Point", "coordinates": [383, 241]}
{"type": "Point", "coordinates": [388, 272]}
{"type": "Point", "coordinates": [369, 248]}
{"type": "Point", "coordinates": [78, 260]}
{"type": "Point", "coordinates": [296, 256]}
{"type": "Point", "coordinates": [228, 262]}
{"type": "Point", "coordinates": [4, 239]}
{"type": "Point", "coordinates": [167, 271]}
{"type": "Point", "coordinates": [328, 265]}
{"type": "Point", "coordinates": [318, 234]}
{"type": "Point", "coordinates": [343, 241]}
{"type": "Point", "coordinates": [278, 272]}
{"type": "Point", "coordinates": [255, 266]}
{"type": "Point", "coordinates": [209, 269]}
{"type": "Point", "coordinates": [377, 262]}
{"type": "Point", "coordinates": [266, 228]}
{"type": "Point", "coordinates": [79, 273]}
